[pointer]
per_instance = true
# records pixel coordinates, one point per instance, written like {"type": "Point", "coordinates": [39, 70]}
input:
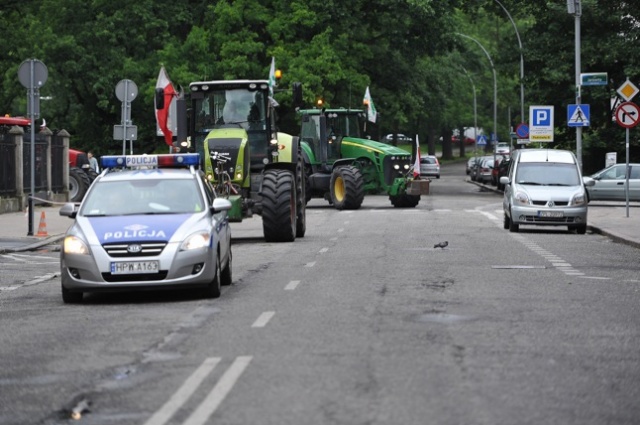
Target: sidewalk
{"type": "Point", "coordinates": [607, 218]}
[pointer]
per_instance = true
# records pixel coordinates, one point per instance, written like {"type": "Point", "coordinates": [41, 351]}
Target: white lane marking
{"type": "Point", "coordinates": [21, 258]}
{"type": "Point", "coordinates": [340, 230]}
{"type": "Point", "coordinates": [9, 288]}
{"type": "Point", "coordinates": [263, 319]}
{"type": "Point", "coordinates": [443, 211]}
{"type": "Point", "coordinates": [211, 402]}
{"type": "Point", "coordinates": [186, 390]}
{"type": "Point", "coordinates": [323, 250]}
{"type": "Point", "coordinates": [291, 285]}
{"type": "Point", "coordinates": [594, 277]}
{"type": "Point", "coordinates": [40, 279]}
{"type": "Point", "coordinates": [311, 264]}
{"type": "Point", "coordinates": [333, 239]}
{"type": "Point", "coordinates": [488, 215]}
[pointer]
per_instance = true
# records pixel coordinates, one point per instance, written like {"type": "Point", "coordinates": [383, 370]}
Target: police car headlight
{"type": "Point", "coordinates": [75, 245]}
{"type": "Point", "coordinates": [196, 241]}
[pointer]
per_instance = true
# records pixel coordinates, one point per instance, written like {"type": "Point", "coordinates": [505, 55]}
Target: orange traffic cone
{"type": "Point", "coordinates": [42, 228]}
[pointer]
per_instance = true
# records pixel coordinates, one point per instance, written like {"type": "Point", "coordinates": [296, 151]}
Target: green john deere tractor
{"type": "Point", "coordinates": [232, 124]}
{"type": "Point", "coordinates": [341, 165]}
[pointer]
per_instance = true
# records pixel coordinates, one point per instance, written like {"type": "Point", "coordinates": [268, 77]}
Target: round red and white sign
{"type": "Point", "coordinates": [627, 114]}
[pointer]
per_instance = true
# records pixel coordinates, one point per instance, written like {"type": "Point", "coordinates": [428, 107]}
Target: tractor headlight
{"type": "Point", "coordinates": [396, 166]}
{"type": "Point", "coordinates": [406, 166]}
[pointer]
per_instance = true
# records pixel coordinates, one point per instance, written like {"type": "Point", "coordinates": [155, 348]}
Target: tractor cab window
{"type": "Point", "coordinates": [241, 107]}
{"type": "Point", "coordinates": [344, 125]}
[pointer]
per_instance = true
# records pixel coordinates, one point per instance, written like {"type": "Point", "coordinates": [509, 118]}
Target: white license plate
{"type": "Point", "coordinates": [551, 214]}
{"type": "Point", "coordinates": [135, 267]}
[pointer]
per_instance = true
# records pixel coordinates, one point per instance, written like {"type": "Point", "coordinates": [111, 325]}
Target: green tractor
{"type": "Point", "coordinates": [341, 165]}
{"type": "Point", "coordinates": [232, 124]}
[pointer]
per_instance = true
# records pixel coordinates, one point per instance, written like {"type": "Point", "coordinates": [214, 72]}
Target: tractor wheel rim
{"type": "Point", "coordinates": [338, 188]}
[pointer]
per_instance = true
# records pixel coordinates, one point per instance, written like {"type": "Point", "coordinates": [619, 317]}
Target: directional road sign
{"type": "Point", "coordinates": [628, 114]}
{"type": "Point", "coordinates": [578, 115]}
{"type": "Point", "coordinates": [541, 123]}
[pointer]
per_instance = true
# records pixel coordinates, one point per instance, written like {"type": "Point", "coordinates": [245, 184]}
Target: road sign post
{"type": "Point", "coordinates": [32, 75]}
{"type": "Point", "coordinates": [126, 92]}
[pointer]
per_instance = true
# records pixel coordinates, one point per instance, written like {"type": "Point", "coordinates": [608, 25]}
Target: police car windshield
{"type": "Point", "coordinates": [134, 197]}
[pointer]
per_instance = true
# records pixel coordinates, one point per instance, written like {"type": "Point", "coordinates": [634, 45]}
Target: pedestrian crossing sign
{"type": "Point", "coordinates": [578, 115]}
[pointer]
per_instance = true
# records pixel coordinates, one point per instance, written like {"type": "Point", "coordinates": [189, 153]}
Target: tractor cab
{"type": "Point", "coordinates": [323, 131]}
{"type": "Point", "coordinates": [241, 105]}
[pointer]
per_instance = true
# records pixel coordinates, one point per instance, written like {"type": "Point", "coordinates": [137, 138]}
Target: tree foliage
{"type": "Point", "coordinates": [409, 52]}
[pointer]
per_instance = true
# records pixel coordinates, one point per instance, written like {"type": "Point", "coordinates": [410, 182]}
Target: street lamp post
{"type": "Point", "coordinates": [475, 114]}
{"type": "Point", "coordinates": [495, 92]}
{"type": "Point", "coordinates": [575, 8]}
{"type": "Point", "coordinates": [522, 116]}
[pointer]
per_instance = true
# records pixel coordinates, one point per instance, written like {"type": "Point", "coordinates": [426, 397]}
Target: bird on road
{"type": "Point", "coordinates": [441, 244]}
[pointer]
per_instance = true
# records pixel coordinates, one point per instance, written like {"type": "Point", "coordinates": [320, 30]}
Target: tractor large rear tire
{"type": "Point", "coordinates": [279, 206]}
{"type": "Point", "coordinates": [347, 188]}
{"type": "Point", "coordinates": [79, 183]}
{"type": "Point", "coordinates": [301, 197]}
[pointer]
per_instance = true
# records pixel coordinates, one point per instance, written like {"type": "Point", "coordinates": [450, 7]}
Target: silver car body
{"type": "Point", "coordinates": [611, 184]}
{"type": "Point", "coordinates": [429, 166]}
{"type": "Point", "coordinates": [503, 148]}
{"type": "Point", "coordinates": [149, 241]}
{"type": "Point", "coordinates": [545, 187]}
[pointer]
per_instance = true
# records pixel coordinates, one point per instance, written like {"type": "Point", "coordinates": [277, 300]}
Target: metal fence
{"type": "Point", "coordinates": [41, 162]}
{"type": "Point", "coordinates": [7, 165]}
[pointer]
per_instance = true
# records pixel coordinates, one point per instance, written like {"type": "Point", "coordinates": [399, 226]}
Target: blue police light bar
{"type": "Point", "coordinates": [150, 161]}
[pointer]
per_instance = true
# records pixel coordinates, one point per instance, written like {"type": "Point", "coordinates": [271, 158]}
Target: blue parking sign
{"type": "Point", "coordinates": [541, 123]}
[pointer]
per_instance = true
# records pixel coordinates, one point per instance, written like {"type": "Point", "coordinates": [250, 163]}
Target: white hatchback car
{"type": "Point", "coordinates": [545, 187]}
{"type": "Point", "coordinates": [150, 226]}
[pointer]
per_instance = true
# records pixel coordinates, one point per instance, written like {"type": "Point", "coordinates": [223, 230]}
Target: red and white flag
{"type": "Point", "coordinates": [163, 116]}
{"type": "Point", "coordinates": [416, 164]}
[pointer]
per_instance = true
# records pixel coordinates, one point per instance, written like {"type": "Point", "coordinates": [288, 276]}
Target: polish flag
{"type": "Point", "coordinates": [163, 117]}
{"type": "Point", "coordinates": [416, 164]}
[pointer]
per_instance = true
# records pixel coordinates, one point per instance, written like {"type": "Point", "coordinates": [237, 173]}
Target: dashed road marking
{"type": "Point", "coordinates": [263, 319]}
{"type": "Point", "coordinates": [311, 264]}
{"type": "Point", "coordinates": [292, 285]}
{"type": "Point", "coordinates": [323, 250]}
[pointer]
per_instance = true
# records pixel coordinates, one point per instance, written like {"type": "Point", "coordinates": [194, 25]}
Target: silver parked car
{"type": "Point", "coordinates": [611, 182]}
{"type": "Point", "coordinates": [429, 166]}
{"type": "Point", "coordinates": [545, 187]}
{"type": "Point", "coordinates": [147, 227]}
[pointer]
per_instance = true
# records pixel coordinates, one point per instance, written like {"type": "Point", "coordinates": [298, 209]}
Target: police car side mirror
{"type": "Point", "coordinates": [221, 204]}
{"type": "Point", "coordinates": [69, 210]}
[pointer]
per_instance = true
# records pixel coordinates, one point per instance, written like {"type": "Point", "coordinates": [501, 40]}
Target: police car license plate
{"type": "Point", "coordinates": [135, 267]}
{"type": "Point", "coordinates": [551, 214]}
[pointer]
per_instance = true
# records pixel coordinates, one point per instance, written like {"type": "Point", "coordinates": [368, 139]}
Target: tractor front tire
{"type": "Point", "coordinates": [279, 206]}
{"type": "Point", "coordinates": [347, 188]}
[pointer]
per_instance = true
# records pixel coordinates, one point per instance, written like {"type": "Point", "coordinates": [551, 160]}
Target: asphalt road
{"type": "Point", "coordinates": [362, 321]}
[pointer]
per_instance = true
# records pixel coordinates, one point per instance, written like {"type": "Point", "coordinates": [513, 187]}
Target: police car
{"type": "Point", "coordinates": [147, 222]}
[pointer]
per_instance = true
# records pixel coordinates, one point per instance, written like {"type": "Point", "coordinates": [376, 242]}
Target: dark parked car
{"type": "Point", "coordinates": [503, 170]}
